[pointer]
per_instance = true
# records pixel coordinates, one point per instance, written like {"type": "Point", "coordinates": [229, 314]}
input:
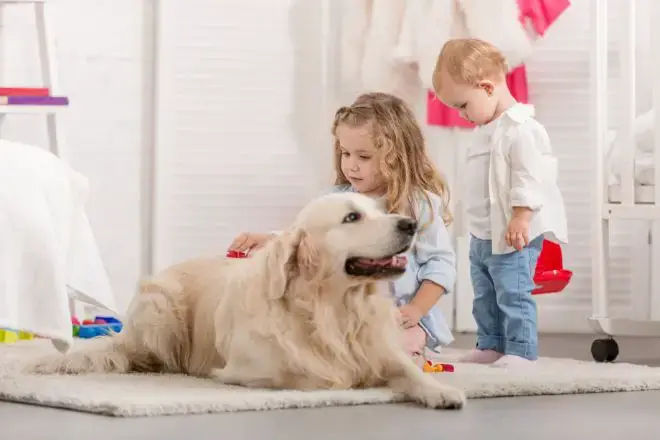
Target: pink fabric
{"type": "Point", "coordinates": [439, 114]}
{"type": "Point", "coordinates": [414, 340]}
{"type": "Point", "coordinates": [541, 13]}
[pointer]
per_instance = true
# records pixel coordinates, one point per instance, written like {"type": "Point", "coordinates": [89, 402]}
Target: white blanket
{"type": "Point", "coordinates": [643, 151]}
{"type": "Point", "coordinates": [47, 248]}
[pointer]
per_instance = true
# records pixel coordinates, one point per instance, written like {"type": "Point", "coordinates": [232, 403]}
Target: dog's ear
{"type": "Point", "coordinates": [309, 258]}
{"type": "Point", "coordinates": [293, 253]}
{"type": "Point", "coordinates": [281, 262]}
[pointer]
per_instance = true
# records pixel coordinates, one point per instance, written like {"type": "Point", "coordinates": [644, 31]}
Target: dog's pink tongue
{"type": "Point", "coordinates": [396, 261]}
{"type": "Point", "coordinates": [399, 261]}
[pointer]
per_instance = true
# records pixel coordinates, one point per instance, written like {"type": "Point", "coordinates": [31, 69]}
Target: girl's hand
{"type": "Point", "coordinates": [410, 315]}
{"type": "Point", "coordinates": [248, 241]}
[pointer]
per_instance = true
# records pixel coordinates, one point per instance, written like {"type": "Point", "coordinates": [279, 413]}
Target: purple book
{"type": "Point", "coordinates": [34, 100]}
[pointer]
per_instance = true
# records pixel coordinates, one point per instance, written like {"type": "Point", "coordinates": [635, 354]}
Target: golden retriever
{"type": "Point", "coordinates": [305, 312]}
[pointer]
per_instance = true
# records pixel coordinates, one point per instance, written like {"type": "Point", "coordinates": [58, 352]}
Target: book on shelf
{"type": "Point", "coordinates": [24, 91]}
{"type": "Point", "coordinates": [34, 100]}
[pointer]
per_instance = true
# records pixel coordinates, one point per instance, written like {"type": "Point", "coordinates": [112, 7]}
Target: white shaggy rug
{"type": "Point", "coordinates": [157, 395]}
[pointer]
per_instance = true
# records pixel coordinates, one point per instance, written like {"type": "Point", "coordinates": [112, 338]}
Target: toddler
{"type": "Point", "coordinates": [512, 198]}
{"type": "Point", "coordinates": [380, 151]}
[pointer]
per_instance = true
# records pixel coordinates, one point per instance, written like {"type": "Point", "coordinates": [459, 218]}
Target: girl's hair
{"type": "Point", "coordinates": [405, 165]}
{"type": "Point", "coordinates": [468, 61]}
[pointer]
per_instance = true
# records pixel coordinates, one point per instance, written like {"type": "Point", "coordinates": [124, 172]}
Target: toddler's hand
{"type": "Point", "coordinates": [517, 234]}
{"type": "Point", "coordinates": [248, 241]}
{"type": "Point", "coordinates": [410, 315]}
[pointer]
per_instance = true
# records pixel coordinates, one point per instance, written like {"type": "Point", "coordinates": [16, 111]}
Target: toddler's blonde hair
{"type": "Point", "coordinates": [406, 165]}
{"type": "Point", "coordinates": [468, 61]}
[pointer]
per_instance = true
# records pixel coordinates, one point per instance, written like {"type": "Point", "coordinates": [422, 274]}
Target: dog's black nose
{"type": "Point", "coordinates": [407, 225]}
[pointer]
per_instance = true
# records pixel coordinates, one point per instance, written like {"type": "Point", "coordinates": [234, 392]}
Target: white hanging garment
{"type": "Point", "coordinates": [381, 39]}
{"type": "Point", "coordinates": [355, 22]}
{"type": "Point", "coordinates": [370, 38]}
{"type": "Point", "coordinates": [406, 50]}
{"type": "Point", "coordinates": [405, 80]}
{"type": "Point", "coordinates": [435, 29]}
{"type": "Point", "coordinates": [498, 22]}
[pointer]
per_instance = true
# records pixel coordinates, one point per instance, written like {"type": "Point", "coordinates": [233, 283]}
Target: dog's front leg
{"type": "Point", "coordinates": [232, 374]}
{"type": "Point", "coordinates": [247, 363]}
{"type": "Point", "coordinates": [247, 375]}
{"type": "Point", "coordinates": [420, 387]}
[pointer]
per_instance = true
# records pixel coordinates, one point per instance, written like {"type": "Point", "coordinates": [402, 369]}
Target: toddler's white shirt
{"type": "Point", "coordinates": [477, 200]}
{"type": "Point", "coordinates": [514, 157]}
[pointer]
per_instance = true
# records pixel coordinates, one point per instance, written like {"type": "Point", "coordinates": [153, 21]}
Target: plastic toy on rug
{"type": "Point", "coordinates": [430, 367]}
{"type": "Point", "coordinates": [99, 326]}
{"type": "Point", "coordinates": [237, 254]}
{"type": "Point", "coordinates": [9, 336]}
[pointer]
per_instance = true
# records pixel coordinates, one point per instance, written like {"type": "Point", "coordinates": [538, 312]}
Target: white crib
{"type": "Point", "coordinates": [631, 193]}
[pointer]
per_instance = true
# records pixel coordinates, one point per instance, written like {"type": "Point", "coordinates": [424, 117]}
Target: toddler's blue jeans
{"type": "Point", "coordinates": [503, 307]}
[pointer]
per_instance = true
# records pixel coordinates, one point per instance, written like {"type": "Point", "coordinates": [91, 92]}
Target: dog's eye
{"type": "Point", "coordinates": [351, 217]}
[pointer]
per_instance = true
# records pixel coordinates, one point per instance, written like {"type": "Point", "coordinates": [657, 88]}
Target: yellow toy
{"type": "Point", "coordinates": [430, 367]}
{"type": "Point", "coordinates": [10, 336]}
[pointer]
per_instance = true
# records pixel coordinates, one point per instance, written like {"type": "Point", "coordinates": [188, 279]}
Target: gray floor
{"type": "Point", "coordinates": [603, 416]}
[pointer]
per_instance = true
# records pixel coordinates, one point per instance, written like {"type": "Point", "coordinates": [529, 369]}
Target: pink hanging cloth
{"type": "Point", "coordinates": [541, 14]}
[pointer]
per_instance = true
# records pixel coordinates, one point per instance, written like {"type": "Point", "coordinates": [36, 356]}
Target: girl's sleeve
{"type": "Point", "coordinates": [434, 251]}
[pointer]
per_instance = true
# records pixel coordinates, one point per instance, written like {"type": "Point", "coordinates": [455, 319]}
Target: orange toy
{"type": "Point", "coordinates": [430, 367]}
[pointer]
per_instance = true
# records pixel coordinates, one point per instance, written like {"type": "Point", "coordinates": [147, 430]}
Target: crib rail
{"type": "Point", "coordinates": [654, 302]}
{"type": "Point", "coordinates": [628, 102]}
{"type": "Point", "coordinates": [627, 203]}
{"type": "Point", "coordinates": [599, 82]}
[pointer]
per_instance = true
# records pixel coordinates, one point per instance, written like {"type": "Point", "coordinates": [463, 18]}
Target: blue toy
{"type": "Point", "coordinates": [102, 326]}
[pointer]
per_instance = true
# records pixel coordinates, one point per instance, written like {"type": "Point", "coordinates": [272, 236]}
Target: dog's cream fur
{"type": "Point", "coordinates": [287, 317]}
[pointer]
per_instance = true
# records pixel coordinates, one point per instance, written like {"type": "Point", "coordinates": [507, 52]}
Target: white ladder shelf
{"type": "Point", "coordinates": [49, 73]}
{"type": "Point", "coordinates": [49, 79]}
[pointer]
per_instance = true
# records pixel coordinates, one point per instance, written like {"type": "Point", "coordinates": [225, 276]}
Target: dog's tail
{"type": "Point", "coordinates": [107, 354]}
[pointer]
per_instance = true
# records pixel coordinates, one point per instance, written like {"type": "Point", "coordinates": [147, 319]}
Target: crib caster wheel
{"type": "Point", "coordinates": [604, 350]}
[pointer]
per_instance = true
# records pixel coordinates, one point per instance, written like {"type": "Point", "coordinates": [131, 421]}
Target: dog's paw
{"type": "Point", "coordinates": [73, 363]}
{"type": "Point", "coordinates": [52, 364]}
{"type": "Point", "coordinates": [228, 376]}
{"type": "Point", "coordinates": [442, 397]}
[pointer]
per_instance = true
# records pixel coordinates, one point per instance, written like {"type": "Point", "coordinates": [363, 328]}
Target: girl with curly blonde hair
{"type": "Point", "coordinates": [379, 151]}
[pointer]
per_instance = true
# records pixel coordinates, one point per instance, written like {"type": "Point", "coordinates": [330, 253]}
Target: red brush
{"type": "Point", "coordinates": [237, 254]}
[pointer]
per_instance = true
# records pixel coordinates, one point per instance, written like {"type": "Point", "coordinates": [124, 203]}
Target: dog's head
{"type": "Point", "coordinates": [344, 238]}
